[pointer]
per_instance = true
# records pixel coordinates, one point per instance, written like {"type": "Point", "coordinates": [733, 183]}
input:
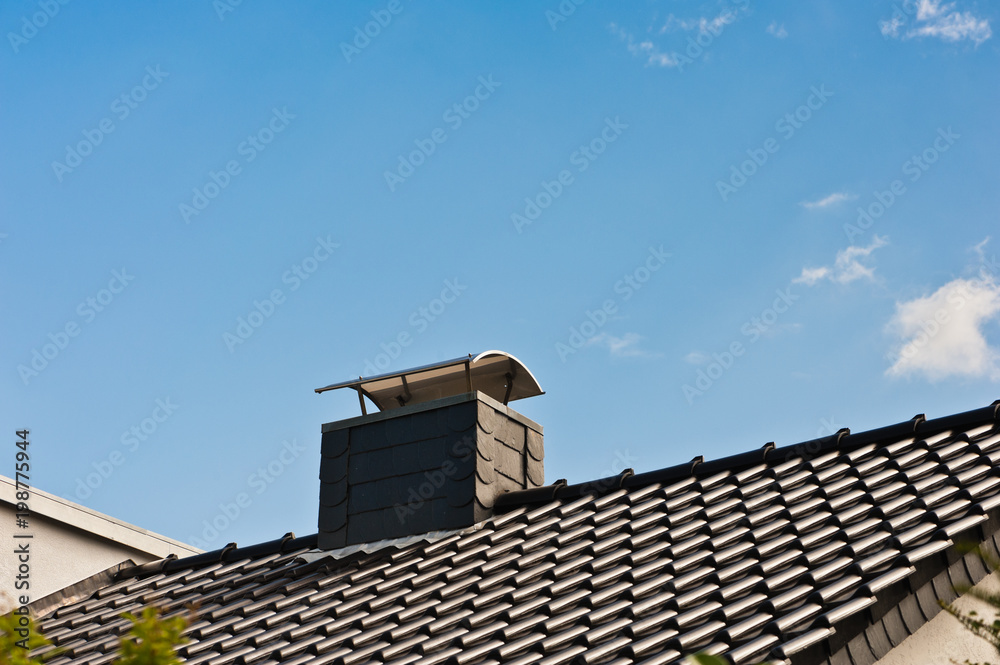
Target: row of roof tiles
{"type": "Point", "coordinates": [766, 555]}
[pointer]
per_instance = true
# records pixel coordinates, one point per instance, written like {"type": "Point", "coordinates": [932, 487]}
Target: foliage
{"type": "Point", "coordinates": [18, 631]}
{"type": "Point", "coordinates": [152, 639]}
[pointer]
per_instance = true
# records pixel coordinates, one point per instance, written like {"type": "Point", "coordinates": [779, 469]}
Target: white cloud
{"type": "Point", "coordinates": [936, 18]}
{"type": "Point", "coordinates": [702, 24]}
{"type": "Point", "coordinates": [832, 199]}
{"type": "Point", "coordinates": [777, 30]}
{"type": "Point", "coordinates": [654, 56]}
{"type": "Point", "coordinates": [626, 346]}
{"type": "Point", "coordinates": [697, 358]}
{"type": "Point", "coordinates": [942, 334]}
{"type": "Point", "coordinates": [644, 48]}
{"type": "Point", "coordinates": [891, 27]}
{"type": "Point", "coordinates": [847, 267]}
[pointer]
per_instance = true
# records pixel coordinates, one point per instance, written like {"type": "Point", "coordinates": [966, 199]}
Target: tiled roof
{"type": "Point", "coordinates": [831, 551]}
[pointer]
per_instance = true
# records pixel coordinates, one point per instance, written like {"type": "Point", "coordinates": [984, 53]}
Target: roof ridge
{"type": "Point", "coordinates": [227, 553]}
{"type": "Point", "coordinates": [842, 440]}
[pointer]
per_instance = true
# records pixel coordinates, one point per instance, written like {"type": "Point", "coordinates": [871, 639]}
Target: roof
{"type": "Point", "coordinates": [80, 517]}
{"type": "Point", "coordinates": [832, 550]}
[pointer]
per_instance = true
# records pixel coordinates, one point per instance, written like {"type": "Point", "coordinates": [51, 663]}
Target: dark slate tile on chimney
{"type": "Point", "coordinates": [432, 452]}
{"type": "Point", "coordinates": [427, 425]}
{"type": "Point", "coordinates": [511, 434]}
{"type": "Point", "coordinates": [333, 520]}
{"type": "Point", "coordinates": [370, 437]}
{"type": "Point", "coordinates": [335, 443]}
{"type": "Point", "coordinates": [458, 494]}
{"type": "Point", "coordinates": [399, 430]}
{"type": "Point", "coordinates": [422, 484]}
{"type": "Point", "coordinates": [393, 491]}
{"type": "Point", "coordinates": [486, 474]}
{"type": "Point", "coordinates": [381, 464]}
{"type": "Point", "coordinates": [363, 497]}
{"type": "Point", "coordinates": [366, 527]}
{"type": "Point", "coordinates": [535, 473]}
{"type": "Point", "coordinates": [487, 418]}
{"type": "Point", "coordinates": [333, 469]}
{"type": "Point", "coordinates": [357, 469]}
{"type": "Point", "coordinates": [394, 521]}
{"type": "Point", "coordinates": [535, 445]}
{"type": "Point", "coordinates": [405, 459]}
{"type": "Point", "coordinates": [448, 516]}
{"type": "Point", "coordinates": [509, 463]}
{"type": "Point", "coordinates": [333, 494]}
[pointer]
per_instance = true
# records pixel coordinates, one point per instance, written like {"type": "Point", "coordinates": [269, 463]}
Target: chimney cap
{"type": "Point", "coordinates": [495, 373]}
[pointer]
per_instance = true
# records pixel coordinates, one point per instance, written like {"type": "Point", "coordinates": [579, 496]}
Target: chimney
{"type": "Point", "coordinates": [441, 448]}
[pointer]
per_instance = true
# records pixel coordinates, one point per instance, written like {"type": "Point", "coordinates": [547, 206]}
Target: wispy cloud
{"type": "Point", "coordinates": [777, 30]}
{"type": "Point", "coordinates": [938, 19]}
{"type": "Point", "coordinates": [697, 358]}
{"type": "Point", "coordinates": [846, 268]}
{"type": "Point", "coordinates": [832, 199]}
{"type": "Point", "coordinates": [702, 24]}
{"type": "Point", "coordinates": [980, 250]}
{"type": "Point", "coordinates": [626, 346]}
{"type": "Point", "coordinates": [705, 26]}
{"type": "Point", "coordinates": [644, 48]}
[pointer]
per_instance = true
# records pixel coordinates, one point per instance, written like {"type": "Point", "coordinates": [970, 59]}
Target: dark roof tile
{"type": "Point", "coordinates": [763, 552]}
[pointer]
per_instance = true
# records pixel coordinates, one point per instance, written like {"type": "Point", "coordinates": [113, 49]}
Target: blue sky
{"type": "Point", "coordinates": [702, 225]}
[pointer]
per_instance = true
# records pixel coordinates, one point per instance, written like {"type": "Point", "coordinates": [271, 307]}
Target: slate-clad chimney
{"type": "Point", "coordinates": [442, 447]}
